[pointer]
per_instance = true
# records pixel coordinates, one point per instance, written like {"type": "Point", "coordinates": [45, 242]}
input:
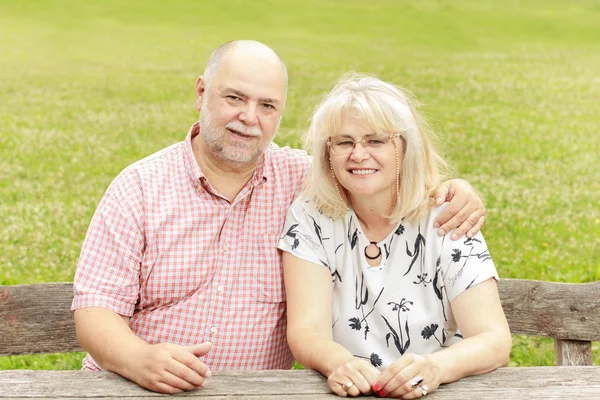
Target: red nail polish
{"type": "Point", "coordinates": [376, 387]}
{"type": "Point", "coordinates": [381, 393]}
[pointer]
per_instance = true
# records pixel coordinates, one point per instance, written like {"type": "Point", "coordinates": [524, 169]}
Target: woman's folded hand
{"type": "Point", "coordinates": [353, 378]}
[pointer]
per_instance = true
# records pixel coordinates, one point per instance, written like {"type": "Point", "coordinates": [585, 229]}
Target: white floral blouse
{"type": "Point", "coordinates": [402, 305]}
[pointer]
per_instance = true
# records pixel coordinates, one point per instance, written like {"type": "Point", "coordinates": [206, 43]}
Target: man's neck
{"type": "Point", "coordinates": [227, 178]}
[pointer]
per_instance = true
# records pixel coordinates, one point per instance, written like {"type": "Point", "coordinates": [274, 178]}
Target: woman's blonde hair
{"type": "Point", "coordinates": [386, 109]}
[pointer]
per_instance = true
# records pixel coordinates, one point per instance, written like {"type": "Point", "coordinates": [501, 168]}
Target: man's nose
{"type": "Point", "coordinates": [248, 115]}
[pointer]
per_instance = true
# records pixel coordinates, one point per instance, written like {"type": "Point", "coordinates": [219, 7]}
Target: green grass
{"type": "Point", "coordinates": [511, 87]}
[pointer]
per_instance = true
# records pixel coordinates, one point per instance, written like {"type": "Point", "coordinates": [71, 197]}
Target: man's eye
{"type": "Point", "coordinates": [233, 98]}
{"type": "Point", "coordinates": [268, 106]}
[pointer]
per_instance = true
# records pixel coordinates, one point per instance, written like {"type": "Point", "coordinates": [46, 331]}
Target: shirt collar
{"type": "Point", "coordinates": [191, 165]}
{"type": "Point", "coordinates": [262, 172]}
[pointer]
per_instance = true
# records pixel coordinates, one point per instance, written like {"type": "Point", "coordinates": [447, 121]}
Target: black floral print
{"type": "Point", "coordinates": [400, 230]}
{"type": "Point", "coordinates": [352, 238]}
{"type": "Point", "coordinates": [422, 279]}
{"type": "Point", "coordinates": [402, 340]}
{"type": "Point", "coordinates": [291, 232]}
{"type": "Point", "coordinates": [374, 359]}
{"type": "Point", "coordinates": [417, 250]}
{"type": "Point", "coordinates": [438, 286]}
{"type": "Point", "coordinates": [360, 300]}
{"type": "Point", "coordinates": [430, 331]}
{"type": "Point", "coordinates": [318, 231]}
{"type": "Point", "coordinates": [456, 255]}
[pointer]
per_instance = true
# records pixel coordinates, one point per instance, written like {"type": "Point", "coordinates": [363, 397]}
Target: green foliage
{"type": "Point", "coordinates": [512, 89]}
{"type": "Point", "coordinates": [45, 361]}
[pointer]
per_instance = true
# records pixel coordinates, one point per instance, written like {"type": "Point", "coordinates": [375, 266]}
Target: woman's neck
{"type": "Point", "coordinates": [372, 212]}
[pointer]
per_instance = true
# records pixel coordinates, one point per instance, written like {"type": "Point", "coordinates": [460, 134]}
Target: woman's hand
{"type": "Point", "coordinates": [353, 378]}
{"type": "Point", "coordinates": [409, 377]}
{"type": "Point", "coordinates": [466, 211]}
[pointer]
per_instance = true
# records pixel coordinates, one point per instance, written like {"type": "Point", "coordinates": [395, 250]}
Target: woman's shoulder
{"type": "Point", "coordinates": [302, 208]}
{"type": "Point", "coordinates": [303, 205]}
{"type": "Point", "coordinates": [304, 216]}
{"type": "Point", "coordinates": [423, 226]}
{"type": "Point", "coordinates": [422, 233]}
{"type": "Point", "coordinates": [430, 216]}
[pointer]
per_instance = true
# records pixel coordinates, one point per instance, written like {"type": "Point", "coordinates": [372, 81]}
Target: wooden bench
{"type": "Point", "coordinates": [547, 383]}
{"type": "Point", "coordinates": [38, 319]}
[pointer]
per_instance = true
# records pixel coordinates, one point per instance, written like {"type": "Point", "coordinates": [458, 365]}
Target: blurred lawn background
{"type": "Point", "coordinates": [512, 89]}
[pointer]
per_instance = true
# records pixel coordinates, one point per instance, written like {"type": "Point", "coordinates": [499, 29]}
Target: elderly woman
{"type": "Point", "coordinates": [376, 300]}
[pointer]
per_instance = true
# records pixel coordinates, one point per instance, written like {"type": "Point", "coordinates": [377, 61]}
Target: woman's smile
{"type": "Point", "coordinates": [362, 171]}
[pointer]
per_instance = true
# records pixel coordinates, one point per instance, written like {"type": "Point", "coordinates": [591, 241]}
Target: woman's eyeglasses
{"type": "Point", "coordinates": [343, 145]}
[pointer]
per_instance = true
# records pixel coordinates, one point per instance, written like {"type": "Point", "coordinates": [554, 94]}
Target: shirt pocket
{"type": "Point", "coordinates": [266, 269]}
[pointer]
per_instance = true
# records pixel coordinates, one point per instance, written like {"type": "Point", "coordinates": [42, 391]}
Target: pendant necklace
{"type": "Point", "coordinates": [378, 254]}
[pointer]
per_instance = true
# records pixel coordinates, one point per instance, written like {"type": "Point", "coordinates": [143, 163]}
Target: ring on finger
{"type": "Point", "coordinates": [424, 389]}
{"type": "Point", "coordinates": [416, 381]}
{"type": "Point", "coordinates": [347, 386]}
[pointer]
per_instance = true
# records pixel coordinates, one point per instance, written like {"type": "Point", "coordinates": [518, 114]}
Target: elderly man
{"type": "Point", "coordinates": [180, 262]}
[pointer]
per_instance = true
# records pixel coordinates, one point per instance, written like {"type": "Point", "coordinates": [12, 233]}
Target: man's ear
{"type": "Point", "coordinates": [200, 89]}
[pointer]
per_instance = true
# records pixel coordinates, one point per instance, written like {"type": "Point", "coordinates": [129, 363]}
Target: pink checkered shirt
{"type": "Point", "coordinates": [188, 266]}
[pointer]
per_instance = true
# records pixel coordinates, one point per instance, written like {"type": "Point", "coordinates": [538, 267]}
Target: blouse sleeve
{"type": "Point", "coordinates": [464, 263]}
{"type": "Point", "coordinates": [302, 234]}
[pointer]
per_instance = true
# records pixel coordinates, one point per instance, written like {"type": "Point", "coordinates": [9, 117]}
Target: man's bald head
{"type": "Point", "coordinates": [244, 49]}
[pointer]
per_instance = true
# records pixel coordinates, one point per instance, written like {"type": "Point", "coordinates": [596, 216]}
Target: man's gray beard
{"type": "Point", "coordinates": [214, 137]}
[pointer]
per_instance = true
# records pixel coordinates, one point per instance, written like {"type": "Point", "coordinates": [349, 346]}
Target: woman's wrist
{"type": "Point", "coordinates": [437, 362]}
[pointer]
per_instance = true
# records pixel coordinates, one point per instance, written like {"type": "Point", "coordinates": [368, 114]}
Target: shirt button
{"type": "Point", "coordinates": [213, 329]}
{"type": "Point", "coordinates": [225, 248]}
{"type": "Point", "coordinates": [220, 289]}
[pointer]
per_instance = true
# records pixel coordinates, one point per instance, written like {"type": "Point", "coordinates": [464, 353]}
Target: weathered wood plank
{"type": "Point", "coordinates": [197, 396]}
{"type": "Point", "coordinates": [572, 352]}
{"type": "Point", "coordinates": [556, 310]}
{"type": "Point", "coordinates": [510, 394]}
{"type": "Point", "coordinates": [37, 319]}
{"type": "Point", "coordinates": [546, 383]}
{"type": "Point", "coordinates": [109, 385]}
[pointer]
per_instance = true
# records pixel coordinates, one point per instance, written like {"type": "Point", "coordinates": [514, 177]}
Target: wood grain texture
{"type": "Point", "coordinates": [37, 319]}
{"type": "Point", "coordinates": [546, 383]}
{"type": "Point", "coordinates": [557, 310]}
{"type": "Point", "coordinates": [572, 352]}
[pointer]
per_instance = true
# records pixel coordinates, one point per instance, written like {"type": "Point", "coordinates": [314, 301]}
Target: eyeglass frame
{"type": "Point", "coordinates": [388, 138]}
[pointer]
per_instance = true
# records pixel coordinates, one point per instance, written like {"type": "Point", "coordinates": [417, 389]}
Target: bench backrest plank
{"type": "Point", "coordinates": [38, 319]}
{"type": "Point", "coordinates": [566, 311]}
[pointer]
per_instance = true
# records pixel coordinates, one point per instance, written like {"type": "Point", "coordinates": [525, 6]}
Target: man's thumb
{"type": "Point", "coordinates": [200, 349]}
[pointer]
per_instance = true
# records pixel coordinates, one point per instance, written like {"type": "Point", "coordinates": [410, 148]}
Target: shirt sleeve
{"type": "Point", "coordinates": [465, 263]}
{"type": "Point", "coordinates": [109, 265]}
{"type": "Point", "coordinates": [302, 234]}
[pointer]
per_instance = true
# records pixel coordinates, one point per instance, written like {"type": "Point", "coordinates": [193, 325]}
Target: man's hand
{"type": "Point", "coordinates": [165, 367]}
{"type": "Point", "coordinates": [169, 368]}
{"type": "Point", "coordinates": [466, 212]}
